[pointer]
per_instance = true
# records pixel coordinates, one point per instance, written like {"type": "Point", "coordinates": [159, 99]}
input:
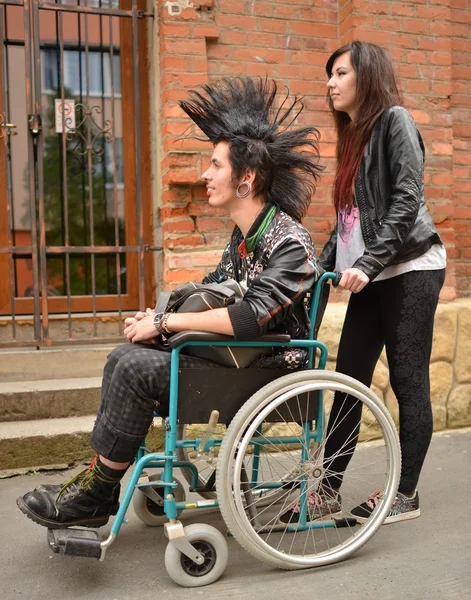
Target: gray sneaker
{"type": "Point", "coordinates": [319, 505]}
{"type": "Point", "coordinates": [402, 509]}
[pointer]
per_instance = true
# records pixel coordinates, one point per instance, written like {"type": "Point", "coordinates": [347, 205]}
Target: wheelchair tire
{"type": "Point", "coordinates": [374, 464]}
{"type": "Point", "coordinates": [211, 543]}
{"type": "Point", "coordinates": [148, 511]}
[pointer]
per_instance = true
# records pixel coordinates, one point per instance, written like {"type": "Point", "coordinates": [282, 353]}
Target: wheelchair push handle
{"type": "Point", "coordinates": [336, 280]}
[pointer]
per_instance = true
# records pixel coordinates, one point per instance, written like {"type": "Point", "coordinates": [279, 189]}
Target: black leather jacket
{"type": "Point", "coordinates": [389, 191]}
{"type": "Point", "coordinates": [279, 272]}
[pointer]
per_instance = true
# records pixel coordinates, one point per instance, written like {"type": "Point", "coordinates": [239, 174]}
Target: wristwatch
{"type": "Point", "coordinates": [160, 323]}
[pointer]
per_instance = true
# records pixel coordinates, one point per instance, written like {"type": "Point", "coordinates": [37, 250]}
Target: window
{"type": "Point", "coordinates": [98, 76]}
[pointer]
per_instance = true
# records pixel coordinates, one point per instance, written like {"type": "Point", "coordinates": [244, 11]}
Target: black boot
{"type": "Point", "coordinates": [87, 500]}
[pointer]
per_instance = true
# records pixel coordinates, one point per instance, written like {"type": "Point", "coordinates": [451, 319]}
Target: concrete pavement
{"type": "Point", "coordinates": [425, 559]}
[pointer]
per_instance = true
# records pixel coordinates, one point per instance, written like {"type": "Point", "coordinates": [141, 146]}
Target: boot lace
{"type": "Point", "coordinates": [83, 481]}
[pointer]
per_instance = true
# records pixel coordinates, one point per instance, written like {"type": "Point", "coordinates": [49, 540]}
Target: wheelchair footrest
{"type": "Point", "coordinates": [75, 542]}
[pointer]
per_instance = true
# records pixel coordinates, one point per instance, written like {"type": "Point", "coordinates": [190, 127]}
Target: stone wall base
{"type": "Point", "coordinates": [450, 368]}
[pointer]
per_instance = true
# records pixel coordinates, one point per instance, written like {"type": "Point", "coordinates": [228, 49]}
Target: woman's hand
{"type": "Point", "coordinates": [353, 280]}
{"type": "Point", "coordinates": [141, 328]}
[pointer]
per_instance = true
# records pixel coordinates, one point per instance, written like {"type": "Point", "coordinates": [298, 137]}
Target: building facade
{"type": "Point", "coordinates": [101, 198]}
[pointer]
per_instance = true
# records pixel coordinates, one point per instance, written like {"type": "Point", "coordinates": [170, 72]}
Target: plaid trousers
{"type": "Point", "coordinates": [136, 381]}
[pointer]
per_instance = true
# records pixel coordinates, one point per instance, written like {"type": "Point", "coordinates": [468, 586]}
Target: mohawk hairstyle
{"type": "Point", "coordinates": [243, 113]}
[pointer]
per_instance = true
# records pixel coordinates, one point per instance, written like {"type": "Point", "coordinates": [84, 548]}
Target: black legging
{"type": "Point", "coordinates": [399, 314]}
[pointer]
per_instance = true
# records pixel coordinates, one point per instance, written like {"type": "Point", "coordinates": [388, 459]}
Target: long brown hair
{"type": "Point", "coordinates": [376, 90]}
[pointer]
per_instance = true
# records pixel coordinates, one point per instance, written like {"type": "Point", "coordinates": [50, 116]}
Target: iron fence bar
{"type": "Point", "coordinates": [89, 10]}
{"type": "Point", "coordinates": [12, 2]}
{"type": "Point", "coordinates": [30, 102]}
{"type": "Point", "coordinates": [9, 190]}
{"type": "Point", "coordinates": [39, 142]}
{"type": "Point", "coordinates": [60, 40]}
{"type": "Point", "coordinates": [16, 249]}
{"type": "Point", "coordinates": [137, 128]}
{"type": "Point", "coordinates": [69, 249]}
{"type": "Point", "coordinates": [115, 179]}
{"type": "Point", "coordinates": [90, 171]}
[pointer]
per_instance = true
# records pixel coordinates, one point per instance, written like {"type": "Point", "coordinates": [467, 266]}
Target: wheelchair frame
{"type": "Point", "coordinates": [83, 543]}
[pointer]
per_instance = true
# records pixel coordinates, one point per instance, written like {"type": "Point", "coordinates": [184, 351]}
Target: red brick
{"type": "Point", "coordinates": [459, 30]}
{"type": "Point", "coordinates": [442, 179]}
{"type": "Point", "coordinates": [269, 55]}
{"type": "Point", "coordinates": [440, 29]}
{"type": "Point", "coordinates": [257, 69]}
{"type": "Point", "coordinates": [266, 40]}
{"type": "Point", "coordinates": [177, 46]}
{"type": "Point", "coordinates": [243, 22]}
{"type": "Point", "coordinates": [405, 10]}
{"type": "Point", "coordinates": [381, 8]}
{"type": "Point", "coordinates": [416, 56]}
{"type": "Point", "coordinates": [209, 32]}
{"type": "Point", "coordinates": [183, 275]}
{"type": "Point", "coordinates": [210, 224]}
{"type": "Point", "coordinates": [432, 43]}
{"type": "Point", "coordinates": [275, 25]}
{"type": "Point", "coordinates": [175, 63]}
{"type": "Point", "coordinates": [233, 37]}
{"type": "Point", "coordinates": [218, 52]}
{"type": "Point", "coordinates": [417, 86]}
{"type": "Point", "coordinates": [178, 225]}
{"type": "Point", "coordinates": [415, 26]}
{"type": "Point", "coordinates": [234, 7]}
{"type": "Point", "coordinates": [420, 116]}
{"type": "Point", "coordinates": [262, 9]}
{"type": "Point", "coordinates": [403, 40]}
{"type": "Point", "coordinates": [373, 36]}
{"type": "Point", "coordinates": [440, 58]}
{"type": "Point", "coordinates": [182, 242]}
{"type": "Point", "coordinates": [179, 261]}
{"type": "Point", "coordinates": [436, 13]}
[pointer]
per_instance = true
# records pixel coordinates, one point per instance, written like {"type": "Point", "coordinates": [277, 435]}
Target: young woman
{"type": "Point", "coordinates": [262, 174]}
{"type": "Point", "coordinates": [391, 259]}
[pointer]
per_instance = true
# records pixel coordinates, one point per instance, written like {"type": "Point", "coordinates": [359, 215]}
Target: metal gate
{"type": "Point", "coordinates": [74, 169]}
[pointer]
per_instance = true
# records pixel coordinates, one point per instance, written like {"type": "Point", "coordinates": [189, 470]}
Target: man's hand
{"type": "Point", "coordinates": [138, 316]}
{"type": "Point", "coordinates": [141, 328]}
{"type": "Point", "coordinates": [353, 280]}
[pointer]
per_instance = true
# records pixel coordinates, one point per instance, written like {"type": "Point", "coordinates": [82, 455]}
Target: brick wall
{"type": "Point", "coordinates": [290, 41]}
{"type": "Point", "coordinates": [461, 113]}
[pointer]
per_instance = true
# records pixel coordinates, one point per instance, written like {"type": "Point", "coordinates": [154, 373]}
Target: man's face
{"type": "Point", "coordinates": [219, 184]}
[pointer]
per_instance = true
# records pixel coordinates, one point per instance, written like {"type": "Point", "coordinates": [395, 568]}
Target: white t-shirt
{"type": "Point", "coordinates": [351, 245]}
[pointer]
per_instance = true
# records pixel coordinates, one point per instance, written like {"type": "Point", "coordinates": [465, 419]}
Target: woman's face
{"type": "Point", "coordinates": [343, 85]}
{"type": "Point", "coordinates": [219, 184]}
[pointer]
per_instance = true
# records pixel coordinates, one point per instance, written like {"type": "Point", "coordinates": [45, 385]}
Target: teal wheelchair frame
{"type": "Point", "coordinates": [197, 554]}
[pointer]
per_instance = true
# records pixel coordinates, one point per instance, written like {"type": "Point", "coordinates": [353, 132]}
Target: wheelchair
{"type": "Point", "coordinates": [251, 443]}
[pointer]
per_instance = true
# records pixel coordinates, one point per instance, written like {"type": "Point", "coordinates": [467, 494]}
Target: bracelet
{"type": "Point", "coordinates": [163, 323]}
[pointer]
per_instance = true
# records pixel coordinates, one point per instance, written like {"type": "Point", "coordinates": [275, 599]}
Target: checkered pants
{"type": "Point", "coordinates": [135, 383]}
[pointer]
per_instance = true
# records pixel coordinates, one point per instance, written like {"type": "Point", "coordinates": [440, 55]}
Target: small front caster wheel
{"type": "Point", "coordinates": [148, 511]}
{"type": "Point", "coordinates": [209, 542]}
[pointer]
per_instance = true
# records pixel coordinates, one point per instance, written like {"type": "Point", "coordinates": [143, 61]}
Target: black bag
{"type": "Point", "coordinates": [198, 297]}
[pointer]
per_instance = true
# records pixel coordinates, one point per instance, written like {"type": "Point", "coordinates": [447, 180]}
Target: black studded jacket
{"type": "Point", "coordinates": [389, 190]}
{"type": "Point", "coordinates": [279, 272]}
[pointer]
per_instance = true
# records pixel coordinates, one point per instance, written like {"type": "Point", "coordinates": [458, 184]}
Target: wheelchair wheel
{"type": "Point", "coordinates": [148, 511]}
{"type": "Point", "coordinates": [321, 532]}
{"type": "Point", "coordinates": [210, 542]}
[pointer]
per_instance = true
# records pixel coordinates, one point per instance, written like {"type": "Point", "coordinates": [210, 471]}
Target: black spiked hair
{"type": "Point", "coordinates": [243, 113]}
